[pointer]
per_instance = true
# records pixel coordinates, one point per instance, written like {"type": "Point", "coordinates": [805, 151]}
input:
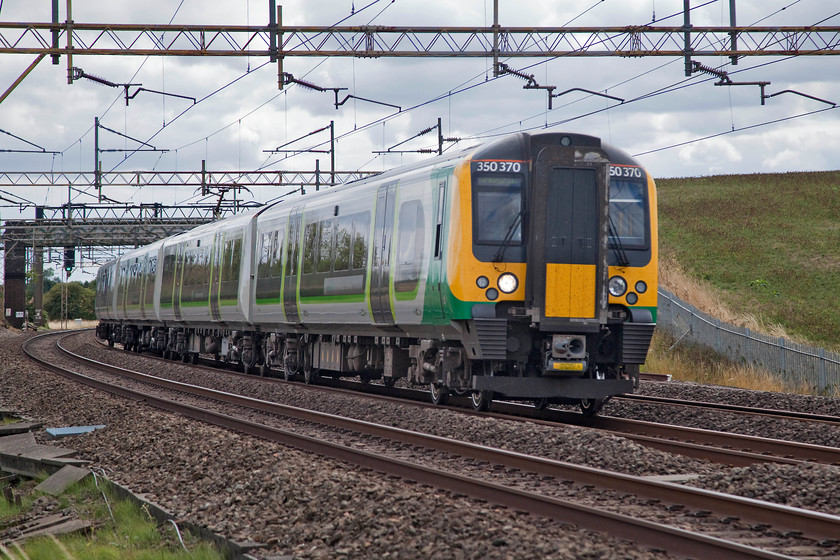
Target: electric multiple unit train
{"type": "Point", "coordinates": [524, 269]}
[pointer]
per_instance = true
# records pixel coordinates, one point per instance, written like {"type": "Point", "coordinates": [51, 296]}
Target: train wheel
{"type": "Point", "coordinates": [439, 393]}
{"type": "Point", "coordinates": [481, 400]}
{"type": "Point", "coordinates": [541, 403]}
{"type": "Point", "coordinates": [591, 407]}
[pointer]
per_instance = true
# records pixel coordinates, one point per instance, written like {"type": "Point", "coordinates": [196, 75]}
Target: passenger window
{"type": "Point", "coordinates": [264, 266]}
{"type": "Point", "coordinates": [361, 227]}
{"type": "Point", "coordinates": [410, 238]}
{"type": "Point", "coordinates": [277, 260]}
{"type": "Point", "coordinates": [310, 246]}
{"type": "Point", "coordinates": [343, 235]}
{"type": "Point", "coordinates": [325, 245]}
{"type": "Point", "coordinates": [168, 276]}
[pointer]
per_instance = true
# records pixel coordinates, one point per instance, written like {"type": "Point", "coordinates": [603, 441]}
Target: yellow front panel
{"type": "Point", "coordinates": [570, 290]}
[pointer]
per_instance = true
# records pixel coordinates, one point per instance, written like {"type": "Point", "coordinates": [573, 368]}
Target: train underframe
{"type": "Point", "coordinates": [503, 359]}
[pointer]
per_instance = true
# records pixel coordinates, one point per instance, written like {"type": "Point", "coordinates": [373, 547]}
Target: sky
{"type": "Point", "coordinates": [690, 128]}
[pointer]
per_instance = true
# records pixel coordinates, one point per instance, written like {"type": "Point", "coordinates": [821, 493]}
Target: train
{"type": "Point", "coordinates": [523, 268]}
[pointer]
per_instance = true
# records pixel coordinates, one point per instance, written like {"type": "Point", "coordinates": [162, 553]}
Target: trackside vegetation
{"type": "Point", "coordinates": [768, 244]}
{"type": "Point", "coordinates": [120, 529]}
{"type": "Point", "coordinates": [760, 251]}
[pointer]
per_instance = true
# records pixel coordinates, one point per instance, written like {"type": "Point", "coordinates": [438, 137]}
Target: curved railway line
{"type": "Point", "coordinates": [721, 447]}
{"type": "Point", "coordinates": [495, 475]}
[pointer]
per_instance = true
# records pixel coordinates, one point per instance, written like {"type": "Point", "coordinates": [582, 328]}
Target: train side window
{"type": "Point", "coordinates": [231, 262]}
{"type": "Point", "coordinates": [361, 229]}
{"type": "Point", "coordinates": [265, 253]}
{"type": "Point", "coordinates": [310, 247]}
{"type": "Point", "coordinates": [325, 235]}
{"type": "Point", "coordinates": [277, 257]}
{"type": "Point", "coordinates": [343, 236]}
{"type": "Point", "coordinates": [168, 276]}
{"type": "Point", "coordinates": [264, 266]}
{"type": "Point", "coordinates": [151, 270]}
{"type": "Point", "coordinates": [236, 259]}
{"type": "Point", "coordinates": [410, 237]}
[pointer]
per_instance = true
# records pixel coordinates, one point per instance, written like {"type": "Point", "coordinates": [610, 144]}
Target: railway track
{"type": "Point", "coordinates": [716, 446]}
{"type": "Point", "coordinates": [798, 525]}
{"type": "Point", "coordinates": [753, 411]}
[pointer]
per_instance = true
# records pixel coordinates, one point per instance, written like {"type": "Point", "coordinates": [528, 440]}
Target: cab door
{"type": "Point", "coordinates": [567, 264]}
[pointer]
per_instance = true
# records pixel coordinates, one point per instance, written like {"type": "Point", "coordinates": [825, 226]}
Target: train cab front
{"type": "Point", "coordinates": [588, 303]}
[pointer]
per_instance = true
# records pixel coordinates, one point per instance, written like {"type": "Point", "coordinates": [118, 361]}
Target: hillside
{"type": "Point", "coordinates": [768, 245]}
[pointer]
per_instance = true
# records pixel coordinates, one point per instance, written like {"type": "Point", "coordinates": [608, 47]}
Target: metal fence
{"type": "Point", "coordinates": [797, 364]}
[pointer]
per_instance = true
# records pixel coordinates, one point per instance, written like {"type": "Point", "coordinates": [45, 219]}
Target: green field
{"type": "Point", "coordinates": [768, 244]}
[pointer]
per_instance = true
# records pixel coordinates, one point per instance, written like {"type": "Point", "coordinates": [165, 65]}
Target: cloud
{"type": "Point", "coordinates": [241, 112]}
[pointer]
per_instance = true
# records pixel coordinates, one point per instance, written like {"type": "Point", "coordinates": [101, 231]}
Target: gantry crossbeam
{"type": "Point", "coordinates": [405, 41]}
{"type": "Point", "coordinates": [194, 179]}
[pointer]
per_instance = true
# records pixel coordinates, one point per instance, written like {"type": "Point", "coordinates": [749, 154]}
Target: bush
{"type": "Point", "coordinates": [80, 302]}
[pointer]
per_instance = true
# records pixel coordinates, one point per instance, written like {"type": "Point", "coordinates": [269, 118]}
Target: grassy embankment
{"type": "Point", "coordinates": [121, 530]}
{"type": "Point", "coordinates": [761, 251]}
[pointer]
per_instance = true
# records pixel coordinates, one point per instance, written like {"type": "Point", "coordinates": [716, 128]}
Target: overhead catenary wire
{"type": "Point", "coordinates": [361, 127]}
{"type": "Point", "coordinates": [377, 121]}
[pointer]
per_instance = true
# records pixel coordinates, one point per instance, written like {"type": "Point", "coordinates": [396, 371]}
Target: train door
{"type": "Point", "coordinates": [434, 298]}
{"type": "Point", "coordinates": [216, 275]}
{"type": "Point", "coordinates": [290, 273]}
{"type": "Point", "coordinates": [143, 276]}
{"type": "Point", "coordinates": [383, 229]}
{"type": "Point", "coordinates": [179, 272]}
{"type": "Point", "coordinates": [567, 265]}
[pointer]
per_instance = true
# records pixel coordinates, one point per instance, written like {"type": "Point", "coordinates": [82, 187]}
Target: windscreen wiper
{"type": "Point", "coordinates": [617, 246]}
{"type": "Point", "coordinates": [500, 254]}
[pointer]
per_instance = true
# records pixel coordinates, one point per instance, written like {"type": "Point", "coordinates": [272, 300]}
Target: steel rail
{"type": "Point", "coordinates": [758, 445]}
{"type": "Point", "coordinates": [720, 447]}
{"type": "Point", "coordinates": [772, 412]}
{"type": "Point", "coordinates": [814, 524]}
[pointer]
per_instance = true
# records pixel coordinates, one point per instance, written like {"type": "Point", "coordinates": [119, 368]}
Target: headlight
{"type": "Point", "coordinates": [641, 287]}
{"type": "Point", "coordinates": [492, 294]}
{"type": "Point", "coordinates": [482, 282]}
{"type": "Point", "coordinates": [632, 298]}
{"type": "Point", "coordinates": [508, 283]}
{"type": "Point", "coordinates": [618, 286]}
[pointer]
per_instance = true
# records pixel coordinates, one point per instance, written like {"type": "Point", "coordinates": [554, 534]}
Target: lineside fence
{"type": "Point", "coordinates": [797, 364]}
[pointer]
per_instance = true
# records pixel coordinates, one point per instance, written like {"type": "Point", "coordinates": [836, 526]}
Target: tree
{"type": "Point", "coordinates": [48, 279]}
{"type": "Point", "coordinates": [80, 302]}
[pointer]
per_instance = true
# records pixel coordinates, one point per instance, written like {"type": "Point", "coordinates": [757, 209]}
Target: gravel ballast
{"type": "Point", "coordinates": [311, 507]}
{"type": "Point", "coordinates": [295, 503]}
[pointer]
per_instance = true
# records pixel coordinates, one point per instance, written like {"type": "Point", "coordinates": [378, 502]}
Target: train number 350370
{"type": "Point", "coordinates": [498, 166]}
{"type": "Point", "coordinates": [625, 171]}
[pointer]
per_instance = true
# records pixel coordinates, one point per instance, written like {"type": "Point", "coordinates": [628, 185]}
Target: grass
{"type": "Point", "coordinates": [767, 244]}
{"type": "Point", "coordinates": [698, 364]}
{"type": "Point", "coordinates": [131, 534]}
{"type": "Point", "coordinates": [759, 251]}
